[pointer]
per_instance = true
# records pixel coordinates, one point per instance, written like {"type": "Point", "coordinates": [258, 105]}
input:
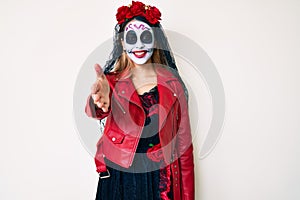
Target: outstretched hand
{"type": "Point", "coordinates": [100, 90]}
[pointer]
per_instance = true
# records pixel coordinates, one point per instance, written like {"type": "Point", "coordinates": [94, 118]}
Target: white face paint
{"type": "Point", "coordinates": [139, 41]}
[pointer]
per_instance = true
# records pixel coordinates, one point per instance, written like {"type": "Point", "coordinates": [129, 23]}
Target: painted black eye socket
{"type": "Point", "coordinates": [131, 37]}
{"type": "Point", "coordinates": [146, 37]}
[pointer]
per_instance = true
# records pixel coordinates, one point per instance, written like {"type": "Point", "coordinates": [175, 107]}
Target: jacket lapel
{"type": "Point", "coordinates": [127, 90]}
{"type": "Point", "coordinates": [167, 95]}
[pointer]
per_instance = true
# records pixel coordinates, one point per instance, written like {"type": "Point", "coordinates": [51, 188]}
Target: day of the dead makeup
{"type": "Point", "coordinates": [139, 41]}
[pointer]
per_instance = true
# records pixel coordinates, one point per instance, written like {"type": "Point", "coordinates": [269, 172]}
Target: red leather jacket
{"type": "Point", "coordinates": [125, 120]}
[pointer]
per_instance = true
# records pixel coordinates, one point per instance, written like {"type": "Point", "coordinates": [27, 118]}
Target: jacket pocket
{"type": "Point", "coordinates": [115, 136]}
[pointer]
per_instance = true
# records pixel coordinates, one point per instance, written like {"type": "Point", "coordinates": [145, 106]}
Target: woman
{"type": "Point", "coordinates": [146, 149]}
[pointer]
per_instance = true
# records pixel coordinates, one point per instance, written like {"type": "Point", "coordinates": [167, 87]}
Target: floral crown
{"type": "Point", "coordinates": [151, 13]}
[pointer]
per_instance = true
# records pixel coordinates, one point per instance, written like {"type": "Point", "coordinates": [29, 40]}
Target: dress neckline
{"type": "Point", "coordinates": [152, 90]}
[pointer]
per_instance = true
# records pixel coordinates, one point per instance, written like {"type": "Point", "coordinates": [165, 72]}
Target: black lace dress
{"type": "Point", "coordinates": [145, 179]}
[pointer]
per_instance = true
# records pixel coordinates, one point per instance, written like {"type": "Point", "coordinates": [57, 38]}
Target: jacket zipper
{"type": "Point", "coordinates": [139, 136]}
{"type": "Point", "coordinates": [140, 131]}
{"type": "Point", "coordinates": [121, 107]}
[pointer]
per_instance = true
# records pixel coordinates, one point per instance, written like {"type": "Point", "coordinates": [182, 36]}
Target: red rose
{"type": "Point", "coordinates": [155, 153]}
{"type": "Point", "coordinates": [153, 14]}
{"type": "Point", "coordinates": [123, 13]}
{"type": "Point", "coordinates": [137, 8]}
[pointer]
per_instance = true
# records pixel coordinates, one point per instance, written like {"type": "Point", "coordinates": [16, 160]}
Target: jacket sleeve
{"type": "Point", "coordinates": [185, 147]}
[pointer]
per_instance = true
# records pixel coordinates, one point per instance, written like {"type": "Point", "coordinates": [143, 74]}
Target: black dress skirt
{"type": "Point", "coordinates": [145, 179]}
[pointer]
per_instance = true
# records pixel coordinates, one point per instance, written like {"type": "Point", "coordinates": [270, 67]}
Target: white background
{"type": "Point", "coordinates": [254, 44]}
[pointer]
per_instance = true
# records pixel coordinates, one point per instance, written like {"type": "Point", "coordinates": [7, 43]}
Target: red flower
{"type": "Point", "coordinates": [123, 13]}
{"type": "Point", "coordinates": [155, 153]}
{"type": "Point", "coordinates": [152, 14]}
{"type": "Point", "coordinates": [137, 8]}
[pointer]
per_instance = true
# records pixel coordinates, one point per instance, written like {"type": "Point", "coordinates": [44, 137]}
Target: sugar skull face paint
{"type": "Point", "coordinates": [139, 41]}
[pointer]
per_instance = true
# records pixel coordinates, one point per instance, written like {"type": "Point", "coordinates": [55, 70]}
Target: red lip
{"type": "Point", "coordinates": [139, 54]}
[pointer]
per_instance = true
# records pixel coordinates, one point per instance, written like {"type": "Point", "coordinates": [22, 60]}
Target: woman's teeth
{"type": "Point", "coordinates": [139, 53]}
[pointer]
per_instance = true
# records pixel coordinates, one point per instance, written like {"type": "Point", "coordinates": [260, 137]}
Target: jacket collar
{"type": "Point", "coordinates": [167, 95]}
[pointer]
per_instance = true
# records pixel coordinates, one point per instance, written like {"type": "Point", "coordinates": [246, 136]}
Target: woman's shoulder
{"type": "Point", "coordinates": [112, 76]}
{"type": "Point", "coordinates": [171, 78]}
{"type": "Point", "coordinates": [166, 73]}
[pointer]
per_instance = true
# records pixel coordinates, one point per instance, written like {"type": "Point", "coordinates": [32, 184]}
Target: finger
{"type": "Point", "coordinates": [95, 88]}
{"type": "Point", "coordinates": [96, 97]}
{"type": "Point", "coordinates": [104, 108]}
{"type": "Point", "coordinates": [99, 71]}
{"type": "Point", "coordinates": [102, 99]}
{"type": "Point", "coordinates": [99, 104]}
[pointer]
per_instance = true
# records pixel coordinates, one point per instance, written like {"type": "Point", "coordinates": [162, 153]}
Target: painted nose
{"type": "Point", "coordinates": [139, 44]}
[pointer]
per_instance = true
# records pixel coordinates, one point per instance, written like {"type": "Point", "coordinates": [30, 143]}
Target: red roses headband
{"type": "Point", "coordinates": [151, 13]}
